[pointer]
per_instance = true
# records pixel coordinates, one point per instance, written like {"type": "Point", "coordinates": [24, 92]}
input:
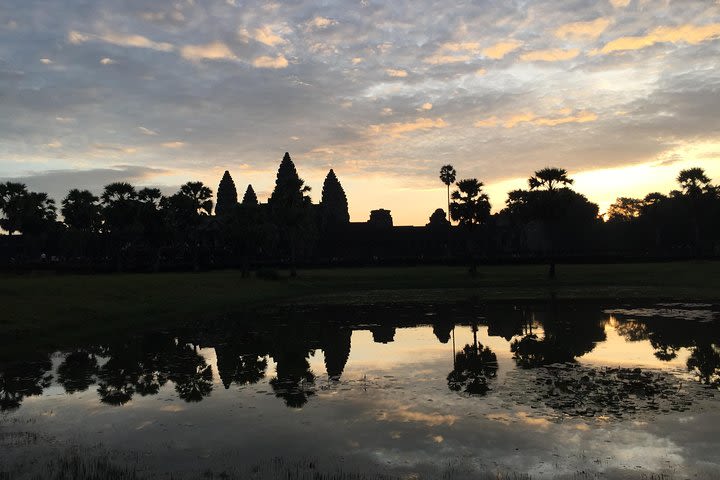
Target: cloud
{"type": "Point", "coordinates": [147, 131]}
{"type": "Point", "coordinates": [519, 118]}
{"type": "Point", "coordinates": [46, 61]}
{"type": "Point", "coordinates": [460, 46]}
{"type": "Point", "coordinates": [107, 61]}
{"type": "Point", "coordinates": [561, 117]}
{"type": "Point", "coordinates": [95, 112]}
{"type": "Point", "coordinates": [58, 182]}
{"type": "Point", "coordinates": [580, 117]}
{"type": "Point", "coordinates": [446, 59]}
{"type": "Point", "coordinates": [114, 148]}
{"type": "Point", "coordinates": [550, 55]}
{"type": "Point", "coordinates": [427, 106]}
{"type": "Point", "coordinates": [119, 39]}
{"type": "Point", "coordinates": [264, 61]}
{"type": "Point", "coordinates": [691, 34]}
{"type": "Point", "coordinates": [173, 145]}
{"type": "Point", "coordinates": [393, 72]}
{"type": "Point", "coordinates": [398, 129]}
{"type": "Point", "coordinates": [208, 51]}
{"type": "Point", "coordinates": [488, 122]}
{"type": "Point", "coordinates": [321, 22]}
{"type": "Point", "coordinates": [500, 49]}
{"type": "Point", "coordinates": [620, 3]}
{"type": "Point", "coordinates": [264, 35]}
{"type": "Point", "coordinates": [582, 30]}
{"type": "Point", "coordinates": [76, 37]}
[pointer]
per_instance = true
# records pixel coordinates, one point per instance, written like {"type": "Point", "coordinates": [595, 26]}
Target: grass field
{"type": "Point", "coordinates": [50, 309]}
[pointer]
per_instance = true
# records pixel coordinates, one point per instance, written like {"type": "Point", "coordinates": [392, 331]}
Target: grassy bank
{"type": "Point", "coordinates": [49, 308]}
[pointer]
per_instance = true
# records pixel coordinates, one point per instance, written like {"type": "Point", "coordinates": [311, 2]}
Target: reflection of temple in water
{"type": "Point", "coordinates": [121, 369]}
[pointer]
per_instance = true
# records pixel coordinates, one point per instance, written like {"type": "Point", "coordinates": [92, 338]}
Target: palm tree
{"type": "Point", "coordinates": [470, 208]}
{"type": "Point", "coordinates": [81, 211]}
{"type": "Point", "coordinates": [10, 193]}
{"type": "Point", "coordinates": [695, 184]}
{"type": "Point", "coordinates": [118, 192]}
{"type": "Point", "coordinates": [447, 176]}
{"type": "Point", "coordinates": [8, 190]}
{"type": "Point", "coordinates": [201, 196]}
{"type": "Point", "coordinates": [693, 181]}
{"type": "Point", "coordinates": [37, 211]}
{"type": "Point", "coordinates": [547, 182]}
{"type": "Point", "coordinates": [149, 195]}
{"type": "Point", "coordinates": [24, 211]}
{"type": "Point", "coordinates": [549, 179]}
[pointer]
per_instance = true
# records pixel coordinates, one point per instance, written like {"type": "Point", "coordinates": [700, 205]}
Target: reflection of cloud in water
{"type": "Point", "coordinates": [431, 419]}
{"type": "Point", "coordinates": [392, 404]}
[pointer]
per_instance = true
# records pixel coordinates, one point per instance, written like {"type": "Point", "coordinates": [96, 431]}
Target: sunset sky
{"type": "Point", "coordinates": [622, 93]}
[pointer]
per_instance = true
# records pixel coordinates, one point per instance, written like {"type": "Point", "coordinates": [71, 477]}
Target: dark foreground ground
{"type": "Point", "coordinates": [51, 310]}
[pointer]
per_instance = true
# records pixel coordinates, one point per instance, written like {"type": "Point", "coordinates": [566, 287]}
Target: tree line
{"type": "Point", "coordinates": [684, 223]}
{"type": "Point", "coordinates": [129, 228]}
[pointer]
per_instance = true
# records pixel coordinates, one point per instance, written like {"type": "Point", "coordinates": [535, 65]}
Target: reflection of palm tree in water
{"type": "Point", "coordinates": [704, 361]}
{"type": "Point", "coordinates": [473, 367]}
{"type": "Point", "coordinates": [191, 374]}
{"type": "Point", "coordinates": [564, 339]}
{"type": "Point", "coordinates": [239, 368]}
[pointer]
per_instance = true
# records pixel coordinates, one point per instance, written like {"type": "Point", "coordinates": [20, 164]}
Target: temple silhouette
{"type": "Point", "coordinates": [129, 229]}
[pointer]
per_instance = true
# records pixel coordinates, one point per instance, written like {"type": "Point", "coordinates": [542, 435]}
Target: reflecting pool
{"type": "Point", "coordinates": [556, 390]}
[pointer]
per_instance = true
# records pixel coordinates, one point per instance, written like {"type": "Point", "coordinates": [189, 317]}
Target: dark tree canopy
{"type": "Point", "coordinates": [24, 211]}
{"type": "Point", "coordinates": [249, 198]}
{"type": "Point", "coordinates": [226, 195]}
{"type": "Point", "coordinates": [625, 209]}
{"type": "Point", "coordinates": [334, 204]}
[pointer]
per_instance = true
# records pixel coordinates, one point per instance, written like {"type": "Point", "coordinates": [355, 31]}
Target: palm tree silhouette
{"type": "Point", "coordinates": [470, 208]}
{"type": "Point", "coordinates": [200, 195]}
{"type": "Point", "coordinates": [473, 367]}
{"type": "Point", "coordinates": [548, 181]}
{"type": "Point", "coordinates": [447, 176]}
{"type": "Point", "coordinates": [81, 210]}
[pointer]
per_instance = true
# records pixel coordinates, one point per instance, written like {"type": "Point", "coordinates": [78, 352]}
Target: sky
{"type": "Point", "coordinates": [622, 93]}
